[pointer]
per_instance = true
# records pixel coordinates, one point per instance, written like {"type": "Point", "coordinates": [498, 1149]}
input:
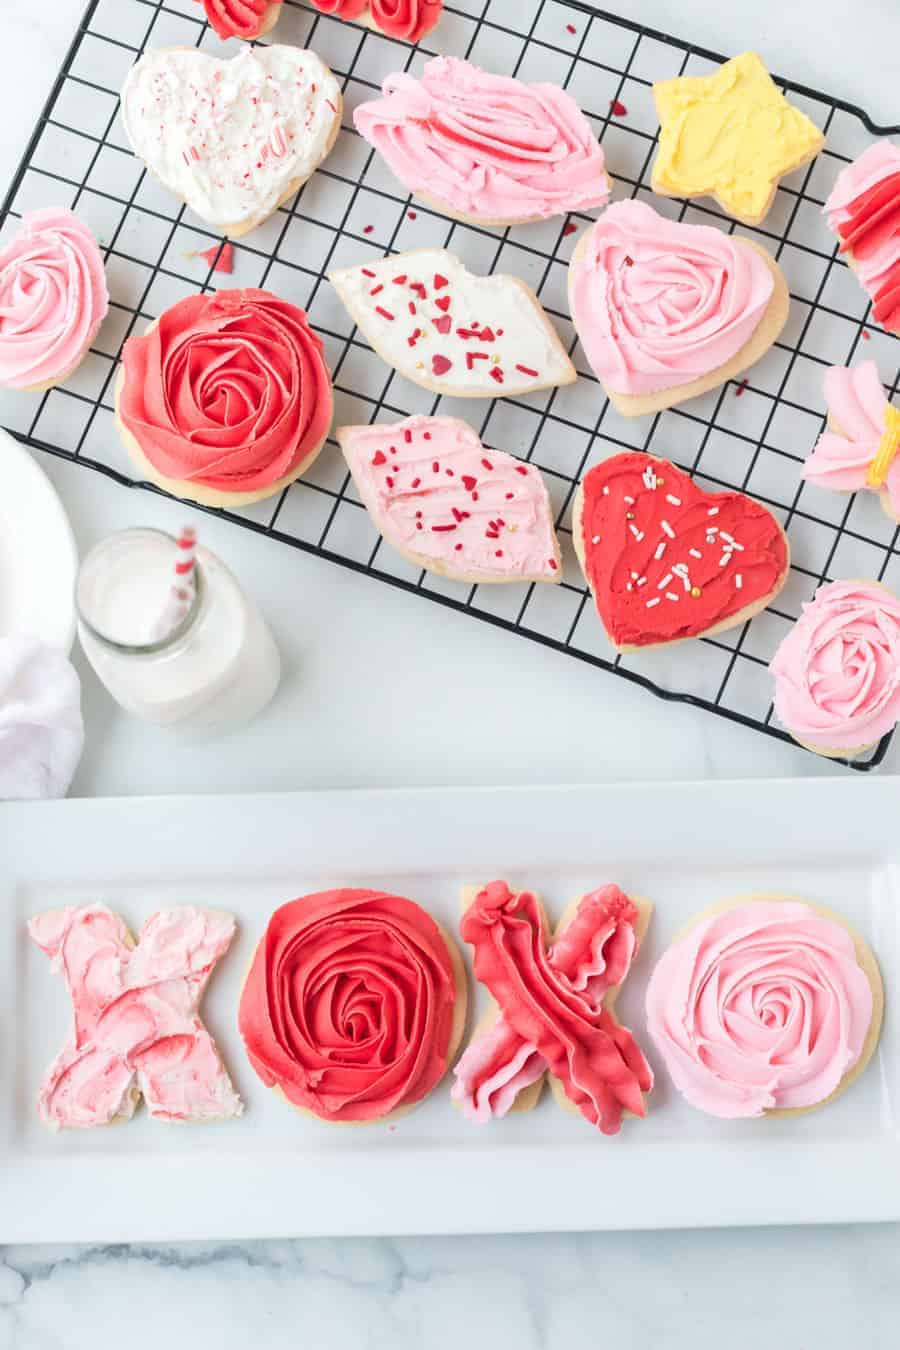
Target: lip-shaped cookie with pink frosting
{"type": "Point", "coordinates": [863, 209]}
{"type": "Point", "coordinates": [53, 299]}
{"type": "Point", "coordinates": [837, 673]}
{"type": "Point", "coordinates": [766, 1005]}
{"type": "Point", "coordinates": [861, 446]}
{"type": "Point", "coordinates": [449, 504]}
{"type": "Point", "coordinates": [667, 311]}
{"type": "Point", "coordinates": [485, 148]}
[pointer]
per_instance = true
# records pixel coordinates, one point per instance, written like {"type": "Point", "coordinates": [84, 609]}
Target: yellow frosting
{"type": "Point", "coordinates": [888, 449]}
{"type": "Point", "coordinates": [731, 135]}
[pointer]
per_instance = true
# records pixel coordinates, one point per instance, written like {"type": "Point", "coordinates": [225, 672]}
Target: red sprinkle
{"type": "Point", "coordinates": [509, 496]}
{"type": "Point", "coordinates": [407, 435]}
{"type": "Point", "coordinates": [379, 458]}
{"type": "Point", "coordinates": [443, 323]}
{"type": "Point", "coordinates": [472, 357]}
{"type": "Point", "coordinates": [415, 482]}
{"type": "Point", "coordinates": [520, 468]}
{"type": "Point", "coordinates": [367, 273]}
{"type": "Point", "coordinates": [487, 464]}
{"type": "Point", "coordinates": [385, 313]}
{"type": "Point", "coordinates": [411, 307]}
{"type": "Point", "coordinates": [469, 482]}
{"type": "Point", "coordinates": [617, 109]}
{"type": "Point", "coordinates": [440, 281]}
{"type": "Point", "coordinates": [411, 215]}
{"type": "Point", "coordinates": [442, 529]}
{"type": "Point", "coordinates": [498, 553]}
{"type": "Point", "coordinates": [435, 468]}
{"type": "Point", "coordinates": [419, 289]}
{"type": "Point", "coordinates": [526, 370]}
{"type": "Point", "coordinates": [439, 364]}
{"type": "Point", "coordinates": [224, 262]}
{"type": "Point", "coordinates": [569, 228]}
{"type": "Point", "coordinates": [443, 303]}
{"type": "Point", "coordinates": [867, 336]}
{"type": "Point", "coordinates": [376, 289]}
{"type": "Point", "coordinates": [570, 28]}
{"type": "Point", "coordinates": [416, 333]}
{"type": "Point", "coordinates": [457, 547]}
{"type": "Point", "coordinates": [486, 335]}
{"type": "Point", "coordinates": [367, 229]}
{"type": "Point", "coordinates": [398, 281]}
{"type": "Point", "coordinates": [497, 374]}
{"type": "Point", "coordinates": [553, 563]}
{"type": "Point", "coordinates": [740, 388]}
{"type": "Point", "coordinates": [389, 481]}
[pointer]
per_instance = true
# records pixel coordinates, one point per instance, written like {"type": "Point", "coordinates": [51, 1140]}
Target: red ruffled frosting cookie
{"type": "Point", "coordinates": [408, 19]}
{"type": "Point", "coordinates": [238, 18]}
{"type": "Point", "coordinates": [351, 1007]}
{"type": "Point", "coordinates": [229, 391]}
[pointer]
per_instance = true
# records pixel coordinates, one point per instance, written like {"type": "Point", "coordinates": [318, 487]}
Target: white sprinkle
{"type": "Point", "coordinates": [595, 539]}
{"type": "Point", "coordinates": [629, 587]}
{"type": "Point", "coordinates": [724, 558]}
{"type": "Point", "coordinates": [665, 581]}
{"type": "Point", "coordinates": [695, 553]}
{"type": "Point", "coordinates": [606, 492]}
{"type": "Point", "coordinates": [638, 534]}
{"type": "Point", "coordinates": [738, 580]}
{"type": "Point", "coordinates": [680, 570]}
{"type": "Point", "coordinates": [634, 576]}
{"type": "Point", "coordinates": [642, 581]}
{"type": "Point", "coordinates": [667, 528]}
{"type": "Point", "coordinates": [660, 550]}
{"type": "Point", "coordinates": [733, 542]}
{"type": "Point", "coordinates": [713, 511]}
{"type": "Point", "coordinates": [649, 478]}
{"type": "Point", "coordinates": [711, 531]}
{"type": "Point", "coordinates": [654, 601]}
{"type": "Point", "coordinates": [676, 501]}
{"type": "Point", "coordinates": [629, 500]}
{"type": "Point", "coordinates": [670, 595]}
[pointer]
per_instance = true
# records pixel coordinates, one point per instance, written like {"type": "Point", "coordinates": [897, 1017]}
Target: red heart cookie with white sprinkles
{"type": "Point", "coordinates": [667, 561]}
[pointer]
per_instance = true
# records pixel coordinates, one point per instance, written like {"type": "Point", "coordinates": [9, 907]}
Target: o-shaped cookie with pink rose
{"type": "Point", "coordinates": [766, 1005]}
{"type": "Point", "coordinates": [354, 1005]}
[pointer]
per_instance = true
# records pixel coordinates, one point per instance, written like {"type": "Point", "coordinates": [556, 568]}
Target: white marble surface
{"type": "Point", "coordinates": [811, 1289]}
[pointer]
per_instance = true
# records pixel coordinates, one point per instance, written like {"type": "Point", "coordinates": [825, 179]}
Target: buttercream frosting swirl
{"type": "Point", "coordinates": [348, 1008]}
{"type": "Point", "coordinates": [487, 147]}
{"type": "Point", "coordinates": [859, 449]}
{"type": "Point", "coordinates": [238, 18]}
{"type": "Point", "coordinates": [863, 209]}
{"type": "Point", "coordinates": [229, 390]}
{"type": "Point", "coordinates": [53, 298]}
{"type": "Point", "coordinates": [550, 1005]}
{"type": "Point", "coordinates": [837, 673]}
{"type": "Point", "coordinates": [659, 303]}
{"type": "Point", "coordinates": [761, 1007]}
{"type": "Point", "coordinates": [407, 19]}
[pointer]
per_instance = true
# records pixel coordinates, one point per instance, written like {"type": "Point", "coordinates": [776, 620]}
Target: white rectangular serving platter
{"type": "Point", "coordinates": [275, 1173]}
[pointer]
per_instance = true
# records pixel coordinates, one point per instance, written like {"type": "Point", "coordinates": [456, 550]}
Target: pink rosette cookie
{"type": "Point", "coordinates": [864, 212]}
{"type": "Point", "coordinates": [837, 673]}
{"type": "Point", "coordinates": [406, 19]}
{"type": "Point", "coordinates": [666, 311]}
{"type": "Point", "coordinates": [53, 299]}
{"type": "Point", "coordinates": [860, 448]}
{"type": "Point", "coordinates": [248, 19]}
{"type": "Point", "coordinates": [766, 1005]}
{"type": "Point", "coordinates": [486, 148]}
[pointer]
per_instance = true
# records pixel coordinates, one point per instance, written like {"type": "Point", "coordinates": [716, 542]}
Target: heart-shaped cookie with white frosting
{"type": "Point", "coordinates": [233, 139]}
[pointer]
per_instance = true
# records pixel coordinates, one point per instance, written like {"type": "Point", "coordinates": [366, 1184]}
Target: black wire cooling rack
{"type": "Point", "coordinates": [752, 435]}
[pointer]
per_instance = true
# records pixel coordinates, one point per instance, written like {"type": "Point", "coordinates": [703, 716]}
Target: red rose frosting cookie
{"type": "Point", "coordinates": [451, 331]}
{"type": "Point", "coordinates": [860, 448]}
{"type": "Point", "coordinates": [135, 1029]}
{"type": "Point", "coordinates": [864, 211]}
{"type": "Point", "coordinates": [449, 504]}
{"type": "Point", "coordinates": [406, 19]}
{"type": "Point", "coordinates": [53, 299]}
{"type": "Point", "coordinates": [766, 1006]}
{"type": "Point", "coordinates": [247, 19]}
{"type": "Point", "coordinates": [553, 1007]}
{"type": "Point", "coordinates": [666, 311]}
{"type": "Point", "coordinates": [233, 139]}
{"type": "Point", "coordinates": [486, 148]}
{"type": "Point", "coordinates": [666, 561]}
{"type": "Point", "coordinates": [837, 673]}
{"type": "Point", "coordinates": [354, 1005]}
{"type": "Point", "coordinates": [226, 399]}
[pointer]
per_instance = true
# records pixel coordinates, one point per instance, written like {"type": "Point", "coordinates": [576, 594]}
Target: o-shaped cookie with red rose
{"type": "Point", "coordinates": [354, 1005]}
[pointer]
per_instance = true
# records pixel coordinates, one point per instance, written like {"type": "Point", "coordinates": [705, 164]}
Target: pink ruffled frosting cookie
{"type": "Point", "coordinates": [864, 211]}
{"type": "Point", "coordinates": [761, 1007]}
{"type": "Point", "coordinates": [486, 147]}
{"type": "Point", "coordinates": [53, 299]}
{"type": "Point", "coordinates": [658, 303]}
{"type": "Point", "coordinates": [860, 448]}
{"type": "Point", "coordinates": [837, 673]}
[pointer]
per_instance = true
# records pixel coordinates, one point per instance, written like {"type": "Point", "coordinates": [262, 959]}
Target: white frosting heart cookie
{"type": "Point", "coordinates": [234, 139]}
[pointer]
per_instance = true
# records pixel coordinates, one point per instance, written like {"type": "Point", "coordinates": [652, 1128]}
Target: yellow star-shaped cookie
{"type": "Point", "coordinates": [731, 136]}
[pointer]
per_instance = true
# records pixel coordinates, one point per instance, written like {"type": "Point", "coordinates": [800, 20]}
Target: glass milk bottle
{"type": "Point", "coordinates": [206, 664]}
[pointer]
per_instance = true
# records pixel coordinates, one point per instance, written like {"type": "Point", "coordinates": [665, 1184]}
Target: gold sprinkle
{"type": "Point", "coordinates": [420, 365]}
{"type": "Point", "coordinates": [495, 359]}
{"type": "Point", "coordinates": [696, 592]}
{"type": "Point", "coordinates": [660, 481]}
{"type": "Point", "coordinates": [629, 515]}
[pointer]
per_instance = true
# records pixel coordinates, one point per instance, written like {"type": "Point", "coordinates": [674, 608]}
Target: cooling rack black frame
{"type": "Point", "coordinates": [271, 529]}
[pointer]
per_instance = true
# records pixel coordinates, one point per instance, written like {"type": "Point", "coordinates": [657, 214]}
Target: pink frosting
{"type": "Point", "coordinates": [53, 298]}
{"type": "Point", "coordinates": [591, 956]}
{"type": "Point", "coordinates": [879, 162]}
{"type": "Point", "coordinates": [135, 1025]}
{"type": "Point", "coordinates": [837, 673]}
{"type": "Point", "coordinates": [761, 1007]}
{"type": "Point", "coordinates": [857, 407]}
{"type": "Point", "coordinates": [487, 146]}
{"type": "Point", "coordinates": [659, 303]}
{"type": "Point", "coordinates": [435, 491]}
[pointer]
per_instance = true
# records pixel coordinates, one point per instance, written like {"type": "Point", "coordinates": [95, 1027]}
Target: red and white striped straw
{"type": "Point", "coordinates": [181, 592]}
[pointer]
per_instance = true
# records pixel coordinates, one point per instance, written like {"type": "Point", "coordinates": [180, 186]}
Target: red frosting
{"type": "Point", "coordinates": [409, 19]}
{"type": "Point", "coordinates": [597, 1061]}
{"type": "Point", "coordinates": [348, 1007]}
{"type": "Point", "coordinates": [873, 225]}
{"type": "Point", "coordinates": [228, 390]}
{"type": "Point", "coordinates": [237, 18]}
{"type": "Point", "coordinates": [666, 560]}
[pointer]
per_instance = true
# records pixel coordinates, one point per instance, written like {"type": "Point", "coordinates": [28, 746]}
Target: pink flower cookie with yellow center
{"type": "Point", "coordinates": [667, 311]}
{"type": "Point", "coordinates": [450, 504]}
{"type": "Point", "coordinates": [53, 299]}
{"type": "Point", "coordinates": [837, 673]}
{"type": "Point", "coordinates": [486, 148]}
{"type": "Point", "coordinates": [860, 448]}
{"type": "Point", "coordinates": [765, 1005]}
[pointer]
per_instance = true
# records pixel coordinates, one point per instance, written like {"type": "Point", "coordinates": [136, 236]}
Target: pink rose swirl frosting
{"type": "Point", "coordinates": [487, 146]}
{"type": "Point", "coordinates": [658, 303]}
{"type": "Point", "coordinates": [762, 1007]}
{"type": "Point", "coordinates": [843, 456]}
{"type": "Point", "coordinates": [591, 956]}
{"type": "Point", "coordinates": [53, 298]}
{"type": "Point", "coordinates": [837, 673]}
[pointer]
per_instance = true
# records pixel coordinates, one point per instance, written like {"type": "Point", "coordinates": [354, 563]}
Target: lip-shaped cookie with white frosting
{"type": "Point", "coordinates": [451, 331]}
{"type": "Point", "coordinates": [233, 139]}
